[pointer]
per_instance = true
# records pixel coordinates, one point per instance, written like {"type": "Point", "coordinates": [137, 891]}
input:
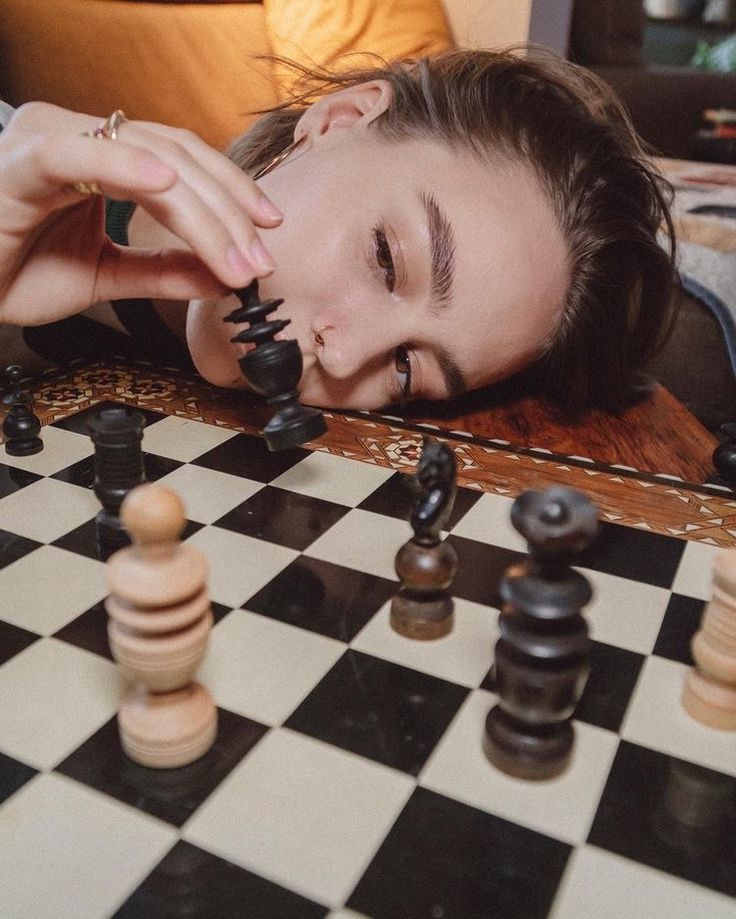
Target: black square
{"type": "Point", "coordinates": [681, 621]}
{"type": "Point", "coordinates": [82, 473]}
{"type": "Point", "coordinates": [283, 517]}
{"type": "Point", "coordinates": [12, 479]}
{"type": "Point", "coordinates": [13, 775]}
{"type": "Point", "coordinates": [323, 597]}
{"type": "Point", "coordinates": [480, 568]}
{"type": "Point", "coordinates": [13, 547]}
{"type": "Point", "coordinates": [249, 457]}
{"type": "Point", "coordinates": [673, 815]}
{"type": "Point", "coordinates": [89, 631]}
{"type": "Point", "coordinates": [613, 675]}
{"type": "Point", "coordinates": [13, 640]}
{"type": "Point", "coordinates": [379, 710]}
{"type": "Point", "coordinates": [634, 554]}
{"type": "Point", "coordinates": [79, 422]}
{"type": "Point", "coordinates": [444, 858]}
{"type": "Point", "coordinates": [171, 794]}
{"type": "Point", "coordinates": [189, 882]}
{"type": "Point", "coordinates": [396, 498]}
{"type": "Point", "coordinates": [83, 539]}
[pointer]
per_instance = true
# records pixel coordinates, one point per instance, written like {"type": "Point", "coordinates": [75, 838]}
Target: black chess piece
{"type": "Point", "coordinates": [20, 427]}
{"type": "Point", "coordinates": [542, 655]}
{"type": "Point", "coordinates": [273, 369]}
{"type": "Point", "coordinates": [724, 455]}
{"type": "Point", "coordinates": [116, 434]}
{"type": "Point", "coordinates": [426, 565]}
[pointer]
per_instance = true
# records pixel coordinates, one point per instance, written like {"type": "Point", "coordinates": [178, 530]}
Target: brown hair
{"type": "Point", "coordinates": [569, 129]}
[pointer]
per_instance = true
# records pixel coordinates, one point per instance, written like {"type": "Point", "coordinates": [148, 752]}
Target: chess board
{"type": "Point", "coordinates": [348, 778]}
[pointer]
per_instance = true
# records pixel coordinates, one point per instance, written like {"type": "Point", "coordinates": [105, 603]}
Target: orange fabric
{"type": "Point", "coordinates": [188, 65]}
{"type": "Point", "coordinates": [322, 32]}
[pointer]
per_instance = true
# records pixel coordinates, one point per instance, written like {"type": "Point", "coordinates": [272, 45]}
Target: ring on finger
{"type": "Point", "coordinates": [109, 127]}
{"type": "Point", "coordinates": [87, 188]}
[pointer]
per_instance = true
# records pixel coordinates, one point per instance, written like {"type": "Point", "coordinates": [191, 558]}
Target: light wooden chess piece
{"type": "Point", "coordinates": [710, 690]}
{"type": "Point", "coordinates": [160, 619]}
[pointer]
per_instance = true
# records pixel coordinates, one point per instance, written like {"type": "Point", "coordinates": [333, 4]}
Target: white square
{"type": "Point", "coordinates": [49, 587]}
{"type": "Point", "coordinates": [489, 521]}
{"type": "Point", "coordinates": [53, 696]}
{"type": "Point", "coordinates": [47, 509]}
{"type": "Point", "coordinates": [694, 576]}
{"type": "Point", "coordinates": [605, 886]}
{"type": "Point", "coordinates": [70, 851]}
{"type": "Point", "coordinates": [333, 478]}
{"type": "Point", "coordinates": [208, 494]}
{"type": "Point", "coordinates": [303, 814]}
{"type": "Point", "coordinates": [183, 439]}
{"type": "Point", "coordinates": [464, 656]}
{"type": "Point", "coordinates": [364, 541]}
{"type": "Point", "coordinates": [656, 719]}
{"type": "Point", "coordinates": [625, 613]}
{"type": "Point", "coordinates": [60, 449]}
{"type": "Point", "coordinates": [563, 807]}
{"type": "Point", "coordinates": [262, 668]}
{"type": "Point", "coordinates": [239, 565]}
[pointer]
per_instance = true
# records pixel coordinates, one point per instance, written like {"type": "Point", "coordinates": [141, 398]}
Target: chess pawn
{"type": "Point", "coordinates": [160, 619]}
{"type": "Point", "coordinates": [20, 427]}
{"type": "Point", "coordinates": [710, 689]}
{"type": "Point", "coordinates": [541, 659]}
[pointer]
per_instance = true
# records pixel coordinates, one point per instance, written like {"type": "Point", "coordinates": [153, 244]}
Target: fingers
{"type": "Point", "coordinates": [187, 186]}
{"type": "Point", "coordinates": [210, 187]}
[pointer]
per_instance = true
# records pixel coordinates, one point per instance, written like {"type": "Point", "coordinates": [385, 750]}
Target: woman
{"type": "Point", "coordinates": [446, 223]}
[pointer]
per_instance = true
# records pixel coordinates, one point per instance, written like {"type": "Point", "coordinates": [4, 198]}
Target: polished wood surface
{"type": "Point", "coordinates": [692, 512]}
{"type": "Point", "coordinates": [657, 435]}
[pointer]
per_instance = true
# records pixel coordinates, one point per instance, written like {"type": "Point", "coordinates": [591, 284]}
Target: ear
{"type": "Point", "coordinates": [354, 107]}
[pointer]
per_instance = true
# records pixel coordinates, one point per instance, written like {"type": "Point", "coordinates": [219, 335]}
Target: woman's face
{"type": "Point", "coordinates": [409, 270]}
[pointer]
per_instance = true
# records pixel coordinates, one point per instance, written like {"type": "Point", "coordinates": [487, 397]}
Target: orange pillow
{"type": "Point", "coordinates": [189, 65]}
{"type": "Point", "coordinates": [320, 32]}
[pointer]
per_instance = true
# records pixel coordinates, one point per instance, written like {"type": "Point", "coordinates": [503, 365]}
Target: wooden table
{"type": "Point", "coordinates": [644, 469]}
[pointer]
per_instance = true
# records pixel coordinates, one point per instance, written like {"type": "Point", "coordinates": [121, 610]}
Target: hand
{"type": "Point", "coordinates": [55, 258]}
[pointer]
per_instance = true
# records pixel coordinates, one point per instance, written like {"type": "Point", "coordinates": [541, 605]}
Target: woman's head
{"type": "Point", "coordinates": [466, 215]}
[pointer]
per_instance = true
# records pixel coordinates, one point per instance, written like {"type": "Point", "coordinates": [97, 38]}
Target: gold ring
{"type": "Point", "coordinates": [109, 127]}
{"type": "Point", "coordinates": [87, 188]}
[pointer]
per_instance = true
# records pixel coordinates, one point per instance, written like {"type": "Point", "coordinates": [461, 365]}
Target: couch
{"type": "Point", "coordinates": [194, 64]}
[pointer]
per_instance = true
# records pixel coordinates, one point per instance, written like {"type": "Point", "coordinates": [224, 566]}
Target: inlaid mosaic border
{"type": "Point", "coordinates": [642, 501]}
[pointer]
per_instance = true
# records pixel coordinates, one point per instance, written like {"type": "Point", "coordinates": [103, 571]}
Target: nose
{"type": "Point", "coordinates": [352, 340]}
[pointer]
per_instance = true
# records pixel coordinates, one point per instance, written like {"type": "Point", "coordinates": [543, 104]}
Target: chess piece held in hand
{"type": "Point", "coordinates": [20, 427]}
{"type": "Point", "coordinates": [542, 655]}
{"type": "Point", "coordinates": [274, 368]}
{"type": "Point", "coordinates": [425, 565]}
{"type": "Point", "coordinates": [710, 689]}
{"type": "Point", "coordinates": [160, 619]}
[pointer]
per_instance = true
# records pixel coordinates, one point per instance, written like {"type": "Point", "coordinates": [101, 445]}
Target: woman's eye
{"type": "Point", "coordinates": [384, 259]}
{"type": "Point", "coordinates": [402, 363]}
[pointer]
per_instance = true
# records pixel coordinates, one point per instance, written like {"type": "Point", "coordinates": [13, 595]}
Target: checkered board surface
{"type": "Point", "coordinates": [348, 778]}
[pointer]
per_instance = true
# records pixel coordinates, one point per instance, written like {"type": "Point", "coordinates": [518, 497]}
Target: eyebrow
{"type": "Point", "coordinates": [442, 276]}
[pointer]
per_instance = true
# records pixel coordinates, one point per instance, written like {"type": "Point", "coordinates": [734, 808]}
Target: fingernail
{"type": "Point", "coordinates": [260, 256]}
{"type": "Point", "coordinates": [269, 209]}
{"type": "Point", "coordinates": [239, 264]}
